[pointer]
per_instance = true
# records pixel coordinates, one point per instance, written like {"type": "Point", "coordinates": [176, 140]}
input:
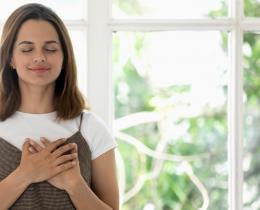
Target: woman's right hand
{"type": "Point", "coordinates": [40, 166]}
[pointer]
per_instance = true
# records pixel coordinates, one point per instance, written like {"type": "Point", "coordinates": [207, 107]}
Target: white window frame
{"type": "Point", "coordinates": [101, 27]}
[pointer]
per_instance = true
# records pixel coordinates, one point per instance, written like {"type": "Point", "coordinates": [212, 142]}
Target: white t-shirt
{"type": "Point", "coordinates": [22, 125]}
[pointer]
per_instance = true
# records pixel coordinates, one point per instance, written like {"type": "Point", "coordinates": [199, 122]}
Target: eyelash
{"type": "Point", "coordinates": [27, 51]}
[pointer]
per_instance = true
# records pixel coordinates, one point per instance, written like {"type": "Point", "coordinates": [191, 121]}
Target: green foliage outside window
{"type": "Point", "coordinates": [173, 188]}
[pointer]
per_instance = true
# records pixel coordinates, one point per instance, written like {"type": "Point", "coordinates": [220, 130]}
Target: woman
{"type": "Point", "coordinates": [54, 153]}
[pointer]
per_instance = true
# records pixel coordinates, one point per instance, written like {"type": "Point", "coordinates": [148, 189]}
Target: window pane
{"type": "Point", "coordinates": [169, 8]}
{"type": "Point", "coordinates": [251, 50]}
{"type": "Point", "coordinates": [170, 92]}
{"type": "Point", "coordinates": [79, 41]}
{"type": "Point", "coordinates": [62, 7]}
{"type": "Point", "coordinates": [252, 8]}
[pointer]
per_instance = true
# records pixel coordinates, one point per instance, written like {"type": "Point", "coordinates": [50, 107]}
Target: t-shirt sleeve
{"type": "Point", "coordinates": [97, 135]}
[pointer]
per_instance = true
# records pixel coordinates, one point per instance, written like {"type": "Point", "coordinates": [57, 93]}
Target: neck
{"type": "Point", "coordinates": [36, 99]}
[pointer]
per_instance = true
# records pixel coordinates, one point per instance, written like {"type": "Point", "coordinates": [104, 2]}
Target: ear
{"type": "Point", "coordinates": [12, 63]}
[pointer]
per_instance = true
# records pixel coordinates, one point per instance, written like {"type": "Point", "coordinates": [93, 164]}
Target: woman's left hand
{"type": "Point", "coordinates": [67, 179]}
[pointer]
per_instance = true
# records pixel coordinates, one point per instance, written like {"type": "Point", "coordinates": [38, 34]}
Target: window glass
{"type": "Point", "coordinates": [79, 42]}
{"type": "Point", "coordinates": [170, 96]}
{"type": "Point", "coordinates": [252, 8]}
{"type": "Point", "coordinates": [251, 51]}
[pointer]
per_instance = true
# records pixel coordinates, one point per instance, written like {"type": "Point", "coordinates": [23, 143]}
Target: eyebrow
{"type": "Point", "coordinates": [47, 42]}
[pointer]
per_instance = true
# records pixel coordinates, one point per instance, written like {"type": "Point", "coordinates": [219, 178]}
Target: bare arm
{"type": "Point", "coordinates": [11, 188]}
{"type": "Point", "coordinates": [105, 195]}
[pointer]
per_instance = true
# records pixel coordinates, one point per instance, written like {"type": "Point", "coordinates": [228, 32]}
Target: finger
{"type": "Point", "coordinates": [65, 158]}
{"type": "Point", "coordinates": [52, 146]}
{"type": "Point", "coordinates": [75, 151]}
{"type": "Point", "coordinates": [45, 141]}
{"type": "Point", "coordinates": [75, 148]}
{"type": "Point", "coordinates": [26, 146]}
{"type": "Point", "coordinates": [36, 146]}
{"type": "Point", "coordinates": [65, 166]}
{"type": "Point", "coordinates": [32, 150]}
{"type": "Point", "coordinates": [62, 150]}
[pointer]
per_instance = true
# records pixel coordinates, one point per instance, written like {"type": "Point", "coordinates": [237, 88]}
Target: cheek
{"type": "Point", "coordinates": [21, 65]}
{"type": "Point", "coordinates": [20, 61]}
{"type": "Point", "coordinates": [55, 61]}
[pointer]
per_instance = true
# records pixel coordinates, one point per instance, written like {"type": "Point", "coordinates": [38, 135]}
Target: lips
{"type": "Point", "coordinates": [39, 69]}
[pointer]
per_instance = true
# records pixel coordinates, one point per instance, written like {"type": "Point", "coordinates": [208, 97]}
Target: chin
{"type": "Point", "coordinates": [37, 82]}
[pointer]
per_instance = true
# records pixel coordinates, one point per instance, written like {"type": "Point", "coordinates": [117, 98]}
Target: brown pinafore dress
{"type": "Point", "coordinates": [42, 195]}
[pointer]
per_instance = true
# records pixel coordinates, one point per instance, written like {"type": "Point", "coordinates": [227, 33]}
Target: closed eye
{"type": "Point", "coordinates": [29, 50]}
{"type": "Point", "coordinates": [51, 50]}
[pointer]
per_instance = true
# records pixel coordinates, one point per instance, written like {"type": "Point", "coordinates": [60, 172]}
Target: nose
{"type": "Point", "coordinates": [39, 59]}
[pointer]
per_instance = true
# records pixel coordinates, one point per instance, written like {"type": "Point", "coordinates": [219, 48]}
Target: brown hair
{"type": "Point", "coordinates": [68, 101]}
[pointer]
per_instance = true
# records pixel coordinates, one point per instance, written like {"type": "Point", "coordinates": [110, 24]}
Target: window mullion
{"type": "Point", "coordinates": [173, 24]}
{"type": "Point", "coordinates": [235, 109]}
{"type": "Point", "coordinates": [251, 24]}
{"type": "Point", "coordinates": [99, 52]}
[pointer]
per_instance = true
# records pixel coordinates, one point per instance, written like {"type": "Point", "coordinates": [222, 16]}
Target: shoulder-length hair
{"type": "Point", "coordinates": [68, 101]}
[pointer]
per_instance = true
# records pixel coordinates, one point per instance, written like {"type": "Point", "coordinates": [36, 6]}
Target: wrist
{"type": "Point", "coordinates": [74, 186]}
{"type": "Point", "coordinates": [22, 177]}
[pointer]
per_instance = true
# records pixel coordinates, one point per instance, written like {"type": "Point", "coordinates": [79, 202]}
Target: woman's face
{"type": "Point", "coordinates": [37, 54]}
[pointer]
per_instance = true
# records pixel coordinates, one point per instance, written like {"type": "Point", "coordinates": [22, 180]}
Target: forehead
{"type": "Point", "coordinates": [37, 30]}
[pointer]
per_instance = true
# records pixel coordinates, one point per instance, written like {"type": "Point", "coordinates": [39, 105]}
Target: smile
{"type": "Point", "coordinates": [39, 69]}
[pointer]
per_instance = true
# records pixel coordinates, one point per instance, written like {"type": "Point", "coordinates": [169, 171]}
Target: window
{"type": "Point", "coordinates": [162, 102]}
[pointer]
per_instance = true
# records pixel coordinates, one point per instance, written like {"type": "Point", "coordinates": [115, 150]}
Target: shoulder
{"type": "Point", "coordinates": [97, 134]}
{"type": "Point", "coordinates": [93, 122]}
